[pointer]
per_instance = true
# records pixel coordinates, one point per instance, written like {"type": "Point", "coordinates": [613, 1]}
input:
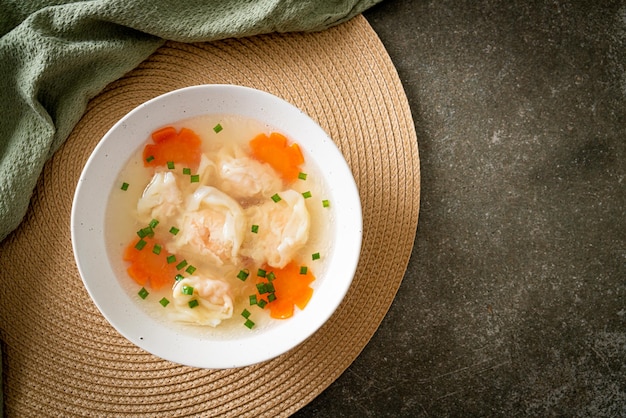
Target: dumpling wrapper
{"type": "Point", "coordinates": [238, 175]}
{"type": "Point", "coordinates": [213, 296]}
{"type": "Point", "coordinates": [212, 225]}
{"type": "Point", "coordinates": [161, 198]}
{"type": "Point", "coordinates": [283, 229]}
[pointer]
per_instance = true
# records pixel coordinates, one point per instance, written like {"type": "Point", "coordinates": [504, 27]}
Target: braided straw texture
{"type": "Point", "coordinates": [62, 358]}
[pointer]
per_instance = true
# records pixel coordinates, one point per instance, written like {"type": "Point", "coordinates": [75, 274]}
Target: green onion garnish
{"type": "Point", "coordinates": [195, 178]}
{"type": "Point", "coordinates": [156, 249]}
{"type": "Point", "coordinates": [306, 195]}
{"type": "Point", "coordinates": [143, 293]}
{"type": "Point", "coordinates": [325, 203]}
{"type": "Point", "coordinates": [302, 176]}
{"type": "Point", "coordinates": [269, 288]}
{"type": "Point", "coordinates": [243, 275]}
{"type": "Point", "coordinates": [261, 288]}
{"type": "Point", "coordinates": [190, 269]}
{"type": "Point", "coordinates": [271, 297]}
{"type": "Point", "coordinates": [262, 303]}
{"type": "Point", "coordinates": [193, 303]}
{"type": "Point", "coordinates": [304, 270]}
{"type": "Point", "coordinates": [315, 256]}
{"type": "Point", "coordinates": [253, 300]}
{"type": "Point", "coordinates": [174, 230]}
{"type": "Point", "coordinates": [145, 232]}
{"type": "Point", "coordinates": [187, 290]}
{"type": "Point", "coordinates": [140, 244]}
{"type": "Point", "coordinates": [181, 265]}
{"type": "Point", "coordinates": [276, 198]}
{"type": "Point", "coordinates": [270, 276]}
{"type": "Point", "coordinates": [187, 171]}
{"type": "Point", "coordinates": [261, 273]}
{"type": "Point", "coordinates": [164, 302]}
{"type": "Point", "coordinates": [249, 324]}
{"type": "Point", "coordinates": [217, 128]}
{"type": "Point", "coordinates": [150, 158]}
{"type": "Point", "coordinates": [245, 313]}
{"type": "Point", "coordinates": [254, 229]}
{"type": "Point", "coordinates": [153, 223]}
{"type": "Point", "coordinates": [170, 165]}
{"type": "Point", "coordinates": [179, 277]}
{"type": "Point", "coordinates": [124, 186]}
{"type": "Point", "coordinates": [171, 259]}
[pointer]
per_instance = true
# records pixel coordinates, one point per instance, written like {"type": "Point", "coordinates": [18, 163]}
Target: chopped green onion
{"type": "Point", "coordinates": [145, 232]}
{"type": "Point", "coordinates": [253, 300]}
{"type": "Point", "coordinates": [249, 324]}
{"type": "Point", "coordinates": [261, 273]}
{"type": "Point", "coordinates": [325, 203]}
{"type": "Point", "coordinates": [124, 186]}
{"type": "Point", "coordinates": [315, 256]}
{"type": "Point", "coordinates": [243, 275]}
{"type": "Point", "coordinates": [195, 178]}
{"type": "Point", "coordinates": [245, 313]}
{"type": "Point", "coordinates": [306, 195]}
{"type": "Point", "coordinates": [181, 265]}
{"type": "Point", "coordinates": [143, 293]}
{"type": "Point", "coordinates": [187, 171]}
{"type": "Point", "coordinates": [187, 290]}
{"type": "Point", "coordinates": [156, 249]}
{"type": "Point", "coordinates": [269, 288]}
{"type": "Point", "coordinates": [174, 230]}
{"type": "Point", "coordinates": [276, 198]}
{"type": "Point", "coordinates": [302, 176]}
{"type": "Point", "coordinates": [217, 128]}
{"type": "Point", "coordinates": [260, 287]}
{"type": "Point", "coordinates": [140, 244]}
{"type": "Point", "coordinates": [254, 229]}
{"type": "Point", "coordinates": [153, 223]}
{"type": "Point", "coordinates": [164, 302]}
{"type": "Point", "coordinates": [193, 303]}
{"type": "Point", "coordinates": [179, 277]}
{"type": "Point", "coordinates": [190, 269]}
{"type": "Point", "coordinates": [304, 270]}
{"type": "Point", "coordinates": [270, 276]}
{"type": "Point", "coordinates": [262, 303]}
{"type": "Point", "coordinates": [271, 297]}
{"type": "Point", "coordinates": [170, 165]}
{"type": "Point", "coordinates": [171, 259]}
{"type": "Point", "coordinates": [150, 158]}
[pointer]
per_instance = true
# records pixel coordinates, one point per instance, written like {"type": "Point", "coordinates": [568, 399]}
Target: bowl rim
{"type": "Point", "coordinates": [88, 226]}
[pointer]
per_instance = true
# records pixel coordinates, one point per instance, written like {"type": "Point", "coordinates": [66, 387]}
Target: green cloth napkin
{"type": "Point", "coordinates": [56, 55]}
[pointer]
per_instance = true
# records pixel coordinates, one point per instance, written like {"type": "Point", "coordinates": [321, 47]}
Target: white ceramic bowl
{"type": "Point", "coordinates": [98, 180]}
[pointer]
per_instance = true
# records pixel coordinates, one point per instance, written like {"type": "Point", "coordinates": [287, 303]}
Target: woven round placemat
{"type": "Point", "coordinates": [62, 358]}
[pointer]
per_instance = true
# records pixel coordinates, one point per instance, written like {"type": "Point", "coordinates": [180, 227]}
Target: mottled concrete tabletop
{"type": "Point", "coordinates": [514, 300]}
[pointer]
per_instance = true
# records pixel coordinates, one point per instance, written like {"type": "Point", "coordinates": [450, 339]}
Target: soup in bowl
{"type": "Point", "coordinates": [216, 226]}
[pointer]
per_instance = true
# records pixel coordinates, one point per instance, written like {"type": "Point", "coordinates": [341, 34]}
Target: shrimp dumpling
{"type": "Point", "coordinates": [243, 177]}
{"type": "Point", "coordinates": [207, 170]}
{"type": "Point", "coordinates": [213, 296]}
{"type": "Point", "coordinates": [161, 198]}
{"type": "Point", "coordinates": [212, 225]}
{"type": "Point", "coordinates": [283, 229]}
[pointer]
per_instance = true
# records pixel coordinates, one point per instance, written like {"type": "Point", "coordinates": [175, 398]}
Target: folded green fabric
{"type": "Point", "coordinates": [56, 55]}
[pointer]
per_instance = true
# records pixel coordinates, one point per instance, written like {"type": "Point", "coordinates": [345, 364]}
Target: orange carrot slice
{"type": "Point", "coordinates": [291, 288]}
{"type": "Point", "coordinates": [148, 268]}
{"type": "Point", "coordinates": [275, 150]}
{"type": "Point", "coordinates": [183, 147]}
{"type": "Point", "coordinates": [162, 134]}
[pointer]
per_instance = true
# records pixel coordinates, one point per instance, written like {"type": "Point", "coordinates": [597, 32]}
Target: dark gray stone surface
{"type": "Point", "coordinates": [514, 301]}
